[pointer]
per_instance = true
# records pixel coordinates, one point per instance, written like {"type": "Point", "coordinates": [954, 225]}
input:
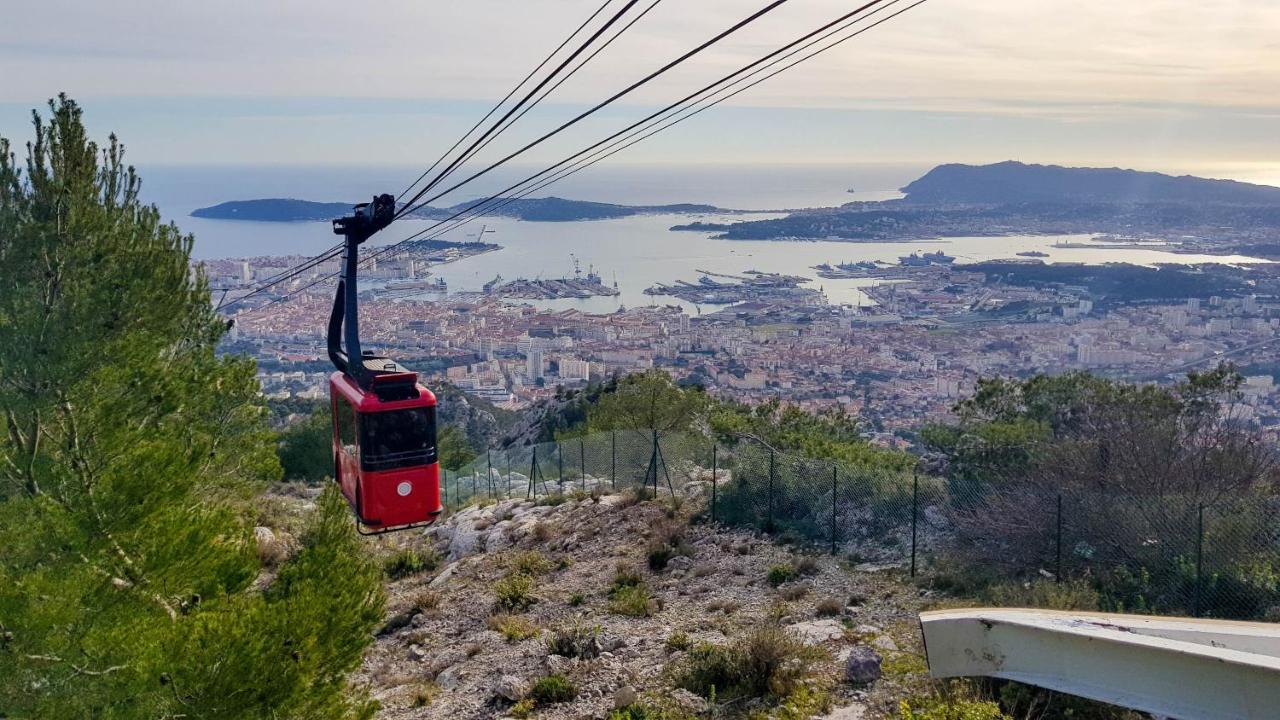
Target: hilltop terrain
{"type": "Point", "coordinates": [1015, 182]}
{"type": "Point", "coordinates": [1014, 198]}
{"type": "Point", "coordinates": [459, 642]}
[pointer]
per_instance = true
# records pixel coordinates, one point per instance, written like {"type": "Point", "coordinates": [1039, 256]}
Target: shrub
{"type": "Point", "coordinates": [531, 563]}
{"type": "Point", "coordinates": [829, 607]}
{"type": "Point", "coordinates": [678, 640]}
{"type": "Point", "coordinates": [1044, 593]}
{"type": "Point", "coordinates": [807, 565]}
{"type": "Point", "coordinates": [624, 575]}
{"type": "Point", "coordinates": [515, 592]}
{"type": "Point", "coordinates": [632, 601]}
{"type": "Point", "coordinates": [659, 556]}
{"type": "Point", "coordinates": [408, 561]}
{"type": "Point", "coordinates": [426, 600]}
{"type": "Point", "coordinates": [765, 663]}
{"type": "Point", "coordinates": [578, 641]}
{"type": "Point", "coordinates": [948, 709]}
{"type": "Point", "coordinates": [551, 500]}
{"type": "Point", "coordinates": [791, 593]}
{"type": "Point", "coordinates": [543, 531]}
{"type": "Point", "coordinates": [513, 627]}
{"type": "Point", "coordinates": [553, 689]}
{"type": "Point", "coordinates": [577, 599]}
{"type": "Point", "coordinates": [779, 574]}
{"type": "Point", "coordinates": [522, 709]}
{"type": "Point", "coordinates": [425, 694]}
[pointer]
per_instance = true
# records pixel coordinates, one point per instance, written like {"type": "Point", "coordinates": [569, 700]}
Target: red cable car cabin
{"type": "Point", "coordinates": [384, 422]}
{"type": "Point", "coordinates": [384, 447]}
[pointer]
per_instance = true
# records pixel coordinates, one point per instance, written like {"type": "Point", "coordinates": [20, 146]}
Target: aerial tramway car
{"type": "Point", "coordinates": [384, 421]}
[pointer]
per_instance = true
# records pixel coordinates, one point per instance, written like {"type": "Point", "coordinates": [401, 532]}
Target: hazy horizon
{"type": "Point", "coordinates": [1151, 84]}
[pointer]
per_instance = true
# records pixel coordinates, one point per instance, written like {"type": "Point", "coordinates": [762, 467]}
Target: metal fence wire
{"type": "Point", "coordinates": [1213, 556]}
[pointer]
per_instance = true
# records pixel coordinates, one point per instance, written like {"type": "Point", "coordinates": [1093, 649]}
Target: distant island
{"type": "Point", "coordinates": [548, 209]}
{"type": "Point", "coordinates": [1012, 198]}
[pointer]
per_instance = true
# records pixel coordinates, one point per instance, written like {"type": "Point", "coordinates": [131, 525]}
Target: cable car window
{"type": "Point", "coordinates": [346, 426]}
{"type": "Point", "coordinates": [398, 438]}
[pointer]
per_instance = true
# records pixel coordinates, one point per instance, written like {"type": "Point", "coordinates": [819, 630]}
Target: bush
{"type": "Point", "coordinates": [791, 593]}
{"type": "Point", "coordinates": [531, 563]}
{"type": "Point", "coordinates": [807, 565]}
{"type": "Point", "coordinates": [779, 574]}
{"type": "Point", "coordinates": [1043, 593]}
{"type": "Point", "coordinates": [553, 689]}
{"type": "Point", "coordinates": [425, 694]}
{"type": "Point", "coordinates": [650, 711]}
{"type": "Point", "coordinates": [577, 599]}
{"type": "Point", "coordinates": [576, 642]}
{"type": "Point", "coordinates": [522, 709]}
{"type": "Point", "coordinates": [946, 709]}
{"type": "Point", "coordinates": [425, 601]}
{"type": "Point", "coordinates": [513, 627]}
{"type": "Point", "coordinates": [515, 592]}
{"type": "Point", "coordinates": [659, 556]}
{"type": "Point", "coordinates": [408, 561]}
{"type": "Point", "coordinates": [625, 576]}
{"type": "Point", "coordinates": [829, 607]}
{"type": "Point", "coordinates": [767, 663]}
{"type": "Point", "coordinates": [678, 640]}
{"type": "Point", "coordinates": [632, 601]}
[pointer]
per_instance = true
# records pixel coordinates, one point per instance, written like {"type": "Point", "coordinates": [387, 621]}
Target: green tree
{"type": "Point", "coordinates": [129, 464]}
{"type": "Point", "coordinates": [648, 401]}
{"type": "Point", "coordinates": [305, 448]}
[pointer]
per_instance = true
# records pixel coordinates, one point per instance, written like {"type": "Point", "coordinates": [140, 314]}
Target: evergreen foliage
{"type": "Point", "coordinates": [129, 462]}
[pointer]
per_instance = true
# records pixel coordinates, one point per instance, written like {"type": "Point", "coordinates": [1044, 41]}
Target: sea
{"type": "Point", "coordinates": [634, 252]}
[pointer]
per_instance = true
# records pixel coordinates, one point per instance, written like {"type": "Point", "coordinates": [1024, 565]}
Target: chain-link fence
{"type": "Point", "coordinates": [1164, 553]}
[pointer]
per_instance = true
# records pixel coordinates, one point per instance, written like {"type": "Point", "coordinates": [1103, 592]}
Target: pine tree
{"type": "Point", "coordinates": [130, 459]}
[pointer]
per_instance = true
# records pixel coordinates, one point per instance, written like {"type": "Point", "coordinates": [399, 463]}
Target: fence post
{"type": "Point", "coordinates": [488, 456]}
{"type": "Point", "coordinates": [835, 480]}
{"type": "Point", "coordinates": [560, 460]}
{"type": "Point", "coordinates": [769, 523]}
{"type": "Point", "coordinates": [474, 481]}
{"type": "Point", "coordinates": [1196, 609]}
{"type": "Point", "coordinates": [532, 492]}
{"type": "Point", "coordinates": [446, 488]}
{"type": "Point", "coordinates": [915, 514]}
{"type": "Point", "coordinates": [1058, 573]}
{"type": "Point", "coordinates": [653, 463]}
{"type": "Point", "coordinates": [714, 458]}
{"type": "Point", "coordinates": [582, 456]}
{"type": "Point", "coordinates": [613, 459]}
{"type": "Point", "coordinates": [507, 455]}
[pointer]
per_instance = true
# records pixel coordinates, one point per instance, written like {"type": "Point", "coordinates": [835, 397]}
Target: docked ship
{"type": "Point", "coordinates": [918, 259]}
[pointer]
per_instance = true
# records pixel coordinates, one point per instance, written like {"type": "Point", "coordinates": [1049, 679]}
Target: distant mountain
{"type": "Point", "coordinates": [274, 210]}
{"type": "Point", "coordinates": [549, 209]}
{"type": "Point", "coordinates": [1015, 182]}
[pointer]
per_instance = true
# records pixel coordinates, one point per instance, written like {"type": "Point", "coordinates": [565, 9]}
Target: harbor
{"type": "Point", "coordinates": [751, 286]}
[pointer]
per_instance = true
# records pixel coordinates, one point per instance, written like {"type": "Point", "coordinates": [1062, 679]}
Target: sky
{"type": "Point", "coordinates": [1165, 85]}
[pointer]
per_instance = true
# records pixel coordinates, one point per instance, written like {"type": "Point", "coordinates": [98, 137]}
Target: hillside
{"type": "Point", "coordinates": [1015, 182]}
{"type": "Point", "coordinates": [443, 653]}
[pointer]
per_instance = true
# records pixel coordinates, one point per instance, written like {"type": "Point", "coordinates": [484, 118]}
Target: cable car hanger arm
{"type": "Point", "coordinates": [344, 319]}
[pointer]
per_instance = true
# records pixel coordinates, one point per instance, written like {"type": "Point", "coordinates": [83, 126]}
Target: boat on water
{"type": "Point", "coordinates": [918, 259]}
{"type": "Point", "coordinates": [1033, 253]}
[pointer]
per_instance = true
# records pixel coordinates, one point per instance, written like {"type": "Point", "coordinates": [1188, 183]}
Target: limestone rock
{"type": "Point", "coordinates": [862, 666]}
{"type": "Point", "coordinates": [512, 687]}
{"type": "Point", "coordinates": [624, 696]}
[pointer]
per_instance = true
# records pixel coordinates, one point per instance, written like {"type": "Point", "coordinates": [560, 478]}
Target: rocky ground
{"type": "Point", "coordinates": [440, 655]}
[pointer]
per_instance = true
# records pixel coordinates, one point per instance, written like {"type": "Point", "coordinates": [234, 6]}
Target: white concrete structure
{"type": "Point", "coordinates": [1174, 667]}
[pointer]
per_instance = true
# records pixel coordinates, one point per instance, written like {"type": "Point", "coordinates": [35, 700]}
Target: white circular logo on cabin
{"type": "Point", "coordinates": [404, 488]}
